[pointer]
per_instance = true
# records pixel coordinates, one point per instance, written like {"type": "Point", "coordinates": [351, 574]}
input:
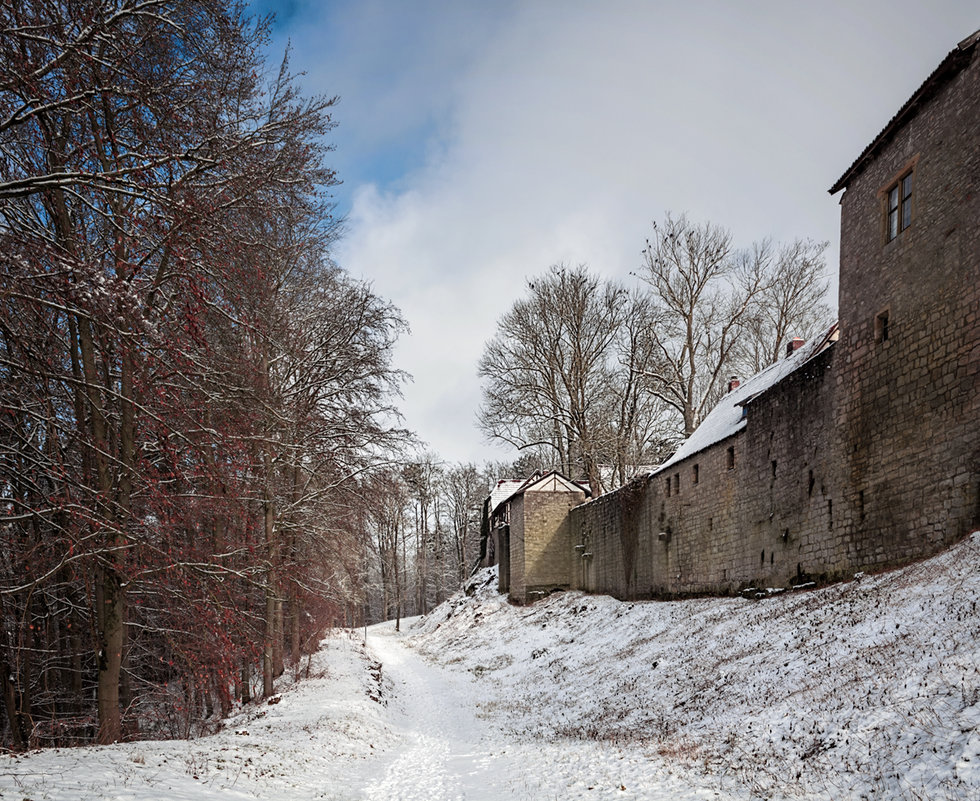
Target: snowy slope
{"type": "Point", "coordinates": [306, 746]}
{"type": "Point", "coordinates": [867, 689]}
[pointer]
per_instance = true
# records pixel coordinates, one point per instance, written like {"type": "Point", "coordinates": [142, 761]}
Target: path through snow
{"type": "Point", "coordinates": [865, 689]}
{"type": "Point", "coordinates": [445, 751]}
{"type": "Point", "coordinates": [442, 754]}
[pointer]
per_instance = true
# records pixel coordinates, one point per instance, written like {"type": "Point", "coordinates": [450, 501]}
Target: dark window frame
{"type": "Point", "coordinates": [898, 199]}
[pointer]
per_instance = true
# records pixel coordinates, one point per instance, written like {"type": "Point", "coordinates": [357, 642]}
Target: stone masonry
{"type": "Point", "coordinates": [532, 531]}
{"type": "Point", "coordinates": [868, 455]}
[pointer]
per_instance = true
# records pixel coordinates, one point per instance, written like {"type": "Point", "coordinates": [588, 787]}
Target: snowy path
{"type": "Point", "coordinates": [864, 689]}
{"type": "Point", "coordinates": [443, 753]}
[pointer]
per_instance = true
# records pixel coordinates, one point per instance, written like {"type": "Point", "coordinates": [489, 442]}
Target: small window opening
{"type": "Point", "coordinates": [762, 558]}
{"type": "Point", "coordinates": [772, 557]}
{"type": "Point", "coordinates": [677, 482]}
{"type": "Point", "coordinates": [881, 327]}
{"type": "Point", "coordinates": [899, 210]}
{"type": "Point", "coordinates": [830, 515]}
{"type": "Point", "coordinates": [731, 457]}
{"type": "Point", "coordinates": [861, 505]}
{"type": "Point", "coordinates": [810, 484]}
{"type": "Point", "coordinates": [711, 524]}
{"type": "Point", "coordinates": [668, 486]}
{"type": "Point", "coordinates": [695, 474]}
{"type": "Point", "coordinates": [773, 466]}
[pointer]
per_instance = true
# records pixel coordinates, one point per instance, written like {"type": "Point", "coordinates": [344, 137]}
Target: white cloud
{"type": "Point", "coordinates": [572, 126]}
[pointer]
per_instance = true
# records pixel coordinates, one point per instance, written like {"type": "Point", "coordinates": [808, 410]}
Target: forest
{"type": "Point", "coordinates": [202, 462]}
{"type": "Point", "coordinates": [196, 402]}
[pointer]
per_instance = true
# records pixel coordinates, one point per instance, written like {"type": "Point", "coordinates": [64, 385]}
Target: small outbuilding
{"type": "Point", "coordinates": [529, 534]}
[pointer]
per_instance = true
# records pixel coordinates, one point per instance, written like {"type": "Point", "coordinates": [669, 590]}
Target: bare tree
{"type": "Point", "coordinates": [641, 428]}
{"type": "Point", "coordinates": [547, 371]}
{"type": "Point", "coordinates": [704, 293]}
{"type": "Point", "coordinates": [792, 304]}
{"type": "Point", "coordinates": [388, 505]}
{"type": "Point", "coordinates": [465, 489]}
{"type": "Point", "coordinates": [720, 310]}
{"type": "Point", "coordinates": [190, 382]}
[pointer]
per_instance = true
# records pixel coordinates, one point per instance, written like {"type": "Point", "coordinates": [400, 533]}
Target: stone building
{"type": "Point", "coordinates": [529, 533]}
{"type": "Point", "coordinates": [907, 401]}
{"type": "Point", "coordinates": [859, 450]}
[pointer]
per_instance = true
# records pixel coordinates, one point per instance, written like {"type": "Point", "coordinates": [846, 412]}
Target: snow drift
{"type": "Point", "coordinates": [868, 689]}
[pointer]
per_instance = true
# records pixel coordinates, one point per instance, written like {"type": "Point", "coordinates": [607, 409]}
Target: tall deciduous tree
{"type": "Point", "coordinates": [187, 384]}
{"type": "Point", "coordinates": [719, 309]}
{"type": "Point", "coordinates": [792, 304]}
{"type": "Point", "coordinates": [465, 489]}
{"type": "Point", "coordinates": [567, 370]}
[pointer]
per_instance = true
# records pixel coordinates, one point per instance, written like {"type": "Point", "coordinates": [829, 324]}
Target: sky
{"type": "Point", "coordinates": [481, 141]}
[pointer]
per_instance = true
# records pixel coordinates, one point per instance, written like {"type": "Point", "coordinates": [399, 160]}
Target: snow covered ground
{"type": "Point", "coordinates": [867, 689]}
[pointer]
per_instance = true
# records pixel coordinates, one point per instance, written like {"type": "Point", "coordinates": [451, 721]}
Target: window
{"type": "Point", "coordinates": [881, 327]}
{"type": "Point", "coordinates": [731, 458]}
{"type": "Point", "coordinates": [668, 486]}
{"type": "Point", "coordinates": [696, 474]}
{"type": "Point", "coordinates": [677, 483]}
{"type": "Point", "coordinates": [899, 216]}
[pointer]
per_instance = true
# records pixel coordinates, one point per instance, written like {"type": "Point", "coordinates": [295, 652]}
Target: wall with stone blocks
{"type": "Point", "coordinates": [909, 396]}
{"type": "Point", "coordinates": [540, 549]}
{"type": "Point", "coordinates": [869, 455]}
{"type": "Point", "coordinates": [751, 509]}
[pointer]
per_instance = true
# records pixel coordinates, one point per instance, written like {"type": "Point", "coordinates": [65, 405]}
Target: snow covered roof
{"type": "Point", "coordinates": [549, 482]}
{"type": "Point", "coordinates": [504, 489]}
{"type": "Point", "coordinates": [727, 418]}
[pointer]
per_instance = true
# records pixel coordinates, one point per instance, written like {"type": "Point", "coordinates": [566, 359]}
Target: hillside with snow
{"type": "Point", "coordinates": [865, 689]}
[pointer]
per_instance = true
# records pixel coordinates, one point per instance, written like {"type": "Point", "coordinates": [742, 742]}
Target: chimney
{"type": "Point", "coordinates": [733, 383]}
{"type": "Point", "coordinates": [794, 345]}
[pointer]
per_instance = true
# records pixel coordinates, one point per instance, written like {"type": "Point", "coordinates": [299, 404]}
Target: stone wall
{"type": "Point", "coordinates": [869, 455]}
{"type": "Point", "coordinates": [612, 538]}
{"type": "Point", "coordinates": [909, 394]}
{"type": "Point", "coordinates": [517, 585]}
{"type": "Point", "coordinates": [540, 551]}
{"type": "Point", "coordinates": [750, 509]}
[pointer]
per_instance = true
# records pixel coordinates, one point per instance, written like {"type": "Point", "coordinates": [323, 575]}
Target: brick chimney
{"type": "Point", "coordinates": [733, 383]}
{"type": "Point", "coordinates": [794, 345]}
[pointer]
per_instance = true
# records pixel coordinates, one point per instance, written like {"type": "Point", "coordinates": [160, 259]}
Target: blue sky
{"type": "Point", "coordinates": [392, 64]}
{"type": "Point", "coordinates": [481, 142]}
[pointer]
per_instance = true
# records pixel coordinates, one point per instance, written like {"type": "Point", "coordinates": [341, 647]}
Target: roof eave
{"type": "Point", "coordinates": [950, 66]}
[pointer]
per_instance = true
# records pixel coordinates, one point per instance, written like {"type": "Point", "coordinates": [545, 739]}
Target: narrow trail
{"type": "Point", "coordinates": [443, 754]}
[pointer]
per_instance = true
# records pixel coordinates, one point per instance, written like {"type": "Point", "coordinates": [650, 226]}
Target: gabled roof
{"type": "Point", "coordinates": [504, 489]}
{"type": "Point", "coordinates": [728, 418]}
{"type": "Point", "coordinates": [948, 69]}
{"type": "Point", "coordinates": [549, 482]}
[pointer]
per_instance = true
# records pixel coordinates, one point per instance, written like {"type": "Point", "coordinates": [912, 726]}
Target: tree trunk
{"type": "Point", "coordinates": [18, 737]}
{"type": "Point", "coordinates": [269, 634]}
{"type": "Point", "coordinates": [246, 688]}
{"type": "Point", "coordinates": [278, 643]}
{"type": "Point", "coordinates": [294, 631]}
{"type": "Point", "coordinates": [110, 614]}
